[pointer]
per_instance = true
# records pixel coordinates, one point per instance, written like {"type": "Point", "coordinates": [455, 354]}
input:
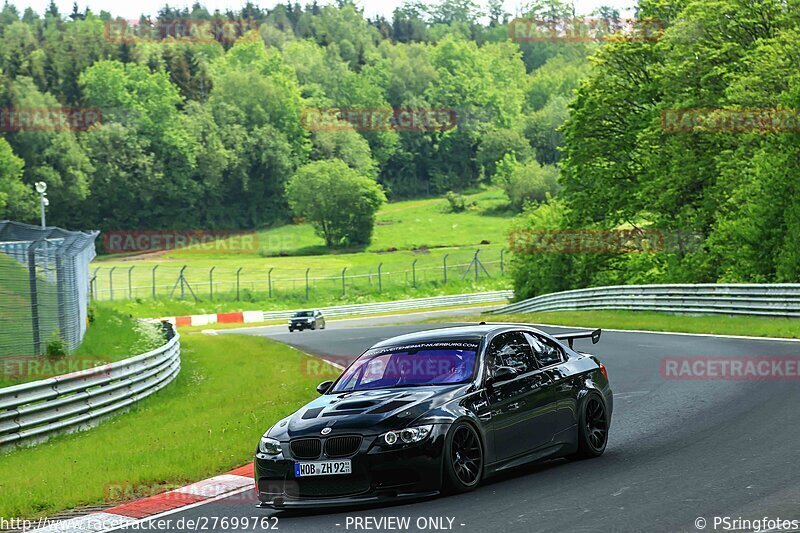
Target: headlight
{"type": "Point", "coordinates": [269, 446]}
{"type": "Point", "coordinates": [406, 436]}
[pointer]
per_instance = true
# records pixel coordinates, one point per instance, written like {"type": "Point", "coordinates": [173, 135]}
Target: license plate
{"type": "Point", "coordinates": [323, 468]}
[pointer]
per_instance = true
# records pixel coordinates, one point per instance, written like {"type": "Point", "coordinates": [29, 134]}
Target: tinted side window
{"type": "Point", "coordinates": [510, 349]}
{"type": "Point", "coordinates": [545, 351]}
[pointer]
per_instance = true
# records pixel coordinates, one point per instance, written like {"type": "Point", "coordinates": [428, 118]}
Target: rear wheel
{"type": "Point", "coordinates": [463, 458]}
{"type": "Point", "coordinates": [592, 427]}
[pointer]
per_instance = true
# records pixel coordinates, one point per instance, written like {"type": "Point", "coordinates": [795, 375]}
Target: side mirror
{"type": "Point", "coordinates": [323, 387]}
{"type": "Point", "coordinates": [503, 373]}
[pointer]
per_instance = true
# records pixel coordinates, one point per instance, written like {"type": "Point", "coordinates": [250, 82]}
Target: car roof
{"type": "Point", "coordinates": [474, 332]}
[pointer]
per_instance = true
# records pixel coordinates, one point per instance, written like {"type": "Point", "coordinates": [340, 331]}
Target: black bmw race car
{"type": "Point", "coordinates": [435, 411]}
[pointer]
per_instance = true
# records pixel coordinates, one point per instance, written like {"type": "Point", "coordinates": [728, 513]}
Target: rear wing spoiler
{"type": "Point", "coordinates": [570, 337]}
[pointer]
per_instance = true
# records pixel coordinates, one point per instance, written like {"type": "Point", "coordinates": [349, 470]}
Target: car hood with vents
{"type": "Point", "coordinates": [369, 412]}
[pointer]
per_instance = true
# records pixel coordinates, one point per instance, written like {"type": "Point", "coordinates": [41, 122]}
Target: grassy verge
{"type": "Point", "coordinates": [282, 322]}
{"type": "Point", "coordinates": [148, 308]}
{"type": "Point", "coordinates": [111, 336]}
{"type": "Point", "coordinates": [230, 390]}
{"type": "Point", "coordinates": [651, 321]}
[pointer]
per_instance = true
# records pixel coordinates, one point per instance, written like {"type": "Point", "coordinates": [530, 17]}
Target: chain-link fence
{"type": "Point", "coordinates": [44, 287]}
{"type": "Point", "coordinates": [225, 283]}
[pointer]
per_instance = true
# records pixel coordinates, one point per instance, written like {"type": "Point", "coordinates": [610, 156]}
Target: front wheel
{"type": "Point", "coordinates": [463, 458]}
{"type": "Point", "coordinates": [592, 427]}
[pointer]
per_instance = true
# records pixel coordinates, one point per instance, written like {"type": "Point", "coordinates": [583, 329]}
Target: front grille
{"type": "Point", "coordinates": [327, 486]}
{"type": "Point", "coordinates": [306, 448]}
{"type": "Point", "coordinates": [342, 446]}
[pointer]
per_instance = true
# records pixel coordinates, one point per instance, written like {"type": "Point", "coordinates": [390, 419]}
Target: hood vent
{"type": "Point", "coordinates": [388, 407]}
{"type": "Point", "coordinates": [312, 413]}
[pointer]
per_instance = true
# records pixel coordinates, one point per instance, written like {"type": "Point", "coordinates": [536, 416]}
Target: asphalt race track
{"type": "Point", "coordinates": [678, 449]}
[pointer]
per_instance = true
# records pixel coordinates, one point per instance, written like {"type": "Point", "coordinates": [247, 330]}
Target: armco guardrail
{"type": "Point", "coordinates": [402, 305]}
{"type": "Point", "coordinates": [727, 299]}
{"type": "Point", "coordinates": [35, 410]}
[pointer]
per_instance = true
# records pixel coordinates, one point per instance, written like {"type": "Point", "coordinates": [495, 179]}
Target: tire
{"type": "Point", "coordinates": [291, 330]}
{"type": "Point", "coordinates": [313, 326]}
{"type": "Point", "coordinates": [463, 459]}
{"type": "Point", "coordinates": [593, 426]}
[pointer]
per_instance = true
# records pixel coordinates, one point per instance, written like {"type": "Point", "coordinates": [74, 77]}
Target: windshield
{"type": "Point", "coordinates": [303, 313]}
{"type": "Point", "coordinates": [434, 363]}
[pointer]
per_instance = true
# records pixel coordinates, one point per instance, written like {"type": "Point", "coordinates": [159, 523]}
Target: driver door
{"type": "Point", "coordinates": [519, 406]}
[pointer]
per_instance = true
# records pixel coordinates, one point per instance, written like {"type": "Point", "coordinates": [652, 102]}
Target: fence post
{"type": "Point", "coordinates": [269, 282]}
{"type": "Point", "coordinates": [343, 285]}
{"type": "Point", "coordinates": [34, 298]}
{"type": "Point", "coordinates": [154, 281]}
{"type": "Point", "coordinates": [211, 283]}
{"type": "Point", "coordinates": [444, 267]}
{"type": "Point", "coordinates": [62, 304]}
{"type": "Point", "coordinates": [502, 251]}
{"type": "Point", "coordinates": [130, 289]}
{"type": "Point", "coordinates": [111, 283]}
{"type": "Point", "coordinates": [307, 283]}
{"type": "Point", "coordinates": [237, 283]}
{"type": "Point", "coordinates": [93, 285]}
{"type": "Point", "coordinates": [414, 273]}
{"type": "Point", "coordinates": [475, 259]}
{"type": "Point", "coordinates": [380, 282]}
{"type": "Point", "coordinates": [183, 290]}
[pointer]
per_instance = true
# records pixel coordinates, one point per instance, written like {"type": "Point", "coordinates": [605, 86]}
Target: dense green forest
{"type": "Point", "coordinates": [730, 185]}
{"type": "Point", "coordinates": [205, 133]}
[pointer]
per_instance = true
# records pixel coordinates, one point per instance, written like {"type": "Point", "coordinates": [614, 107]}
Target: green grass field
{"type": "Point", "coordinates": [652, 321]}
{"type": "Point", "coordinates": [417, 244]}
{"type": "Point", "coordinates": [226, 401]}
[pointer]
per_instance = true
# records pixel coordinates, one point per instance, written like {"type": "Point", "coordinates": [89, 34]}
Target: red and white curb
{"type": "Point", "coordinates": [206, 491]}
{"type": "Point", "coordinates": [237, 317]}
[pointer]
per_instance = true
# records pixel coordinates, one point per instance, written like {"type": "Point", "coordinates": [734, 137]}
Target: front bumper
{"type": "Point", "coordinates": [301, 325]}
{"type": "Point", "coordinates": [379, 475]}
